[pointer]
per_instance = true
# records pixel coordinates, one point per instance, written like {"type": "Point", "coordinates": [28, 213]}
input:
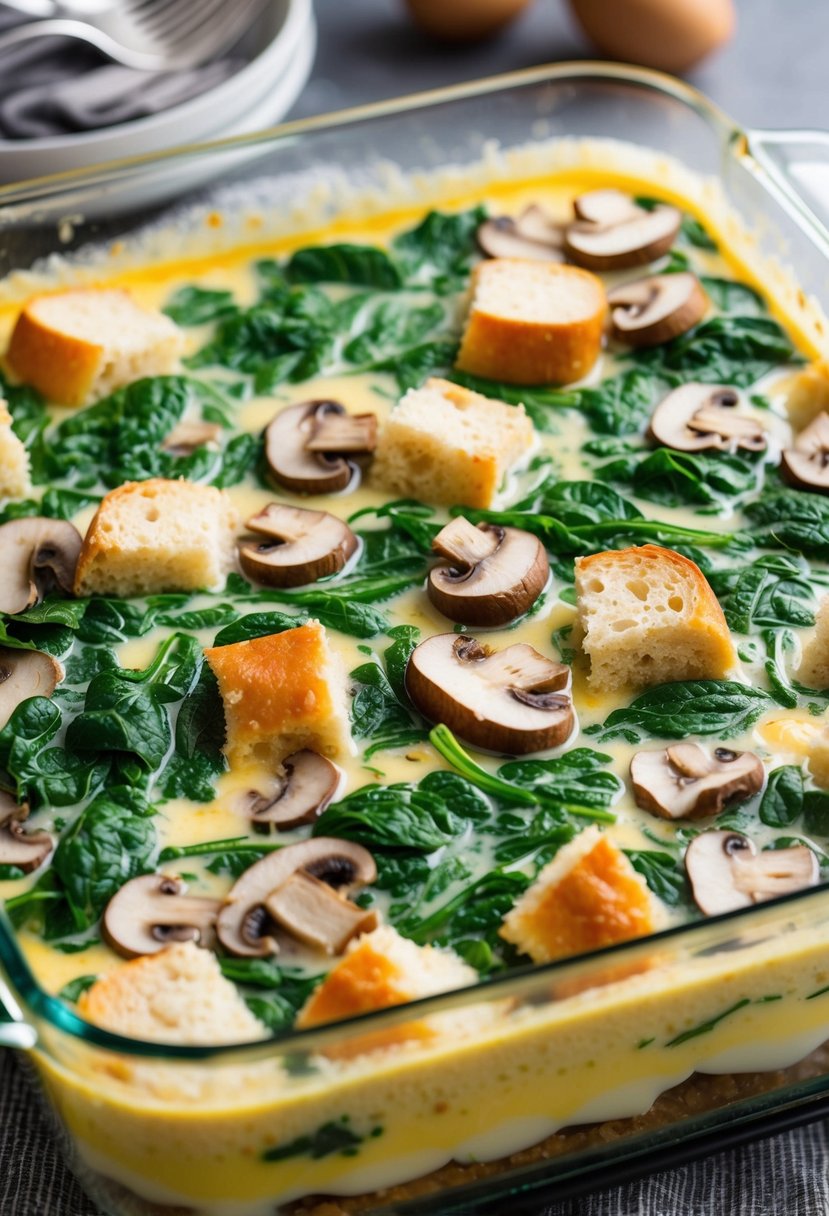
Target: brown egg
{"type": "Point", "coordinates": [671, 35]}
{"type": "Point", "coordinates": [464, 20]}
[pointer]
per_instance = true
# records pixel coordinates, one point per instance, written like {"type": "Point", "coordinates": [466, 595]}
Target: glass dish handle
{"type": "Point", "coordinates": [796, 166]}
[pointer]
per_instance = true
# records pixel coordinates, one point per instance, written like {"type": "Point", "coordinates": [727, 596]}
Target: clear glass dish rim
{"type": "Point", "coordinates": [55, 1011]}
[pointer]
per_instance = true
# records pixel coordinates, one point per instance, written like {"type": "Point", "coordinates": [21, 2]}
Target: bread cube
{"type": "Point", "coordinates": [808, 394]}
{"type": "Point", "coordinates": [814, 665]}
{"type": "Point", "coordinates": [282, 693]}
{"type": "Point", "coordinates": [158, 535]}
{"type": "Point", "coordinates": [648, 616]}
{"type": "Point", "coordinates": [587, 897]}
{"type": "Point", "coordinates": [15, 479]}
{"type": "Point", "coordinates": [533, 322]}
{"type": "Point", "coordinates": [445, 444]}
{"type": "Point", "coordinates": [79, 345]}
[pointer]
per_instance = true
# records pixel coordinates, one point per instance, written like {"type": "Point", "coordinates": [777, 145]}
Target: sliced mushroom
{"type": "Point", "coordinates": [612, 232]}
{"type": "Point", "coordinates": [308, 783]}
{"type": "Point", "coordinates": [24, 674]}
{"type": "Point", "coordinates": [313, 913]}
{"type": "Point", "coordinates": [301, 546]}
{"type": "Point", "coordinates": [686, 782]}
{"type": "Point", "coordinates": [24, 850]}
{"type": "Point", "coordinates": [650, 311]}
{"type": "Point", "coordinates": [299, 467]}
{"type": "Point", "coordinates": [244, 925]}
{"type": "Point", "coordinates": [187, 436]}
{"type": "Point", "coordinates": [496, 574]}
{"type": "Point", "coordinates": [726, 872]}
{"type": "Point", "coordinates": [338, 434]}
{"type": "Point", "coordinates": [532, 235]}
{"type": "Point", "coordinates": [152, 911]}
{"type": "Point", "coordinates": [514, 700]}
{"type": "Point", "coordinates": [702, 418]}
{"type": "Point", "coordinates": [37, 555]}
{"type": "Point", "coordinates": [806, 465]}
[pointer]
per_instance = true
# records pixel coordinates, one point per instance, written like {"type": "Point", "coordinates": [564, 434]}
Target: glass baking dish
{"type": "Point", "coordinates": [261, 1128]}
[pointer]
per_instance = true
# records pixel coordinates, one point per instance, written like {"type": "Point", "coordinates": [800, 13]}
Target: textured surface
{"type": "Point", "coordinates": [773, 75]}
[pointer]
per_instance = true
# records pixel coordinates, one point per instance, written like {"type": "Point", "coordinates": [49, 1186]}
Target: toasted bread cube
{"type": "Point", "coordinates": [282, 693]}
{"type": "Point", "coordinates": [176, 996]}
{"type": "Point", "coordinates": [533, 322]}
{"type": "Point", "coordinates": [379, 970]}
{"type": "Point", "coordinates": [445, 444]}
{"type": "Point", "coordinates": [587, 897]}
{"type": "Point", "coordinates": [818, 761]}
{"type": "Point", "coordinates": [158, 535]}
{"type": "Point", "coordinates": [79, 345]}
{"type": "Point", "coordinates": [814, 665]}
{"type": "Point", "coordinates": [808, 394]}
{"type": "Point", "coordinates": [15, 481]}
{"type": "Point", "coordinates": [648, 616]}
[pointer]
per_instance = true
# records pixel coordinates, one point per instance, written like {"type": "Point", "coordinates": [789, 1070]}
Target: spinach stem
{"type": "Point", "coordinates": [238, 844]}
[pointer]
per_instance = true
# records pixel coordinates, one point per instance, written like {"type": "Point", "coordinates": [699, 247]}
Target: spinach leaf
{"type": "Point", "coordinates": [378, 714]}
{"type": "Point", "coordinates": [578, 776]}
{"type": "Point", "coordinates": [360, 265]}
{"type": "Point", "coordinates": [774, 590]}
{"type": "Point", "coordinates": [791, 519]}
{"type": "Point", "coordinates": [692, 707]}
{"type": "Point", "coordinates": [678, 478]}
{"type": "Point", "coordinates": [257, 625]}
{"type": "Point", "coordinates": [399, 816]}
{"type": "Point", "coordinates": [476, 912]}
{"type": "Point", "coordinates": [193, 305]}
{"type": "Point", "coordinates": [622, 404]}
{"type": "Point", "coordinates": [412, 366]}
{"type": "Point", "coordinates": [728, 349]}
{"type": "Point", "coordinates": [55, 504]}
{"type": "Point", "coordinates": [440, 251]}
{"type": "Point", "coordinates": [730, 296]}
{"type": "Point", "coordinates": [694, 233]}
{"type": "Point", "coordinates": [394, 324]}
{"type": "Point", "coordinates": [288, 988]}
{"type": "Point", "coordinates": [76, 988]}
{"type": "Point", "coordinates": [199, 737]}
{"type": "Point", "coordinates": [782, 801]}
{"type": "Point", "coordinates": [663, 873]}
{"type": "Point", "coordinates": [407, 517]}
{"type": "Point", "coordinates": [540, 403]}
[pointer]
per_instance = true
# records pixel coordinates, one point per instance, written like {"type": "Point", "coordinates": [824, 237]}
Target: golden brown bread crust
{"type": "Point", "coordinates": [60, 366]}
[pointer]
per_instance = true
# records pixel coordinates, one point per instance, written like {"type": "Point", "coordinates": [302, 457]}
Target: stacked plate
{"type": "Point", "coordinates": [280, 51]}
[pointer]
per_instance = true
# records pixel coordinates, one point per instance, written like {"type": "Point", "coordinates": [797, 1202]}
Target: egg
{"type": "Point", "coordinates": [671, 35]}
{"type": "Point", "coordinates": [464, 20]}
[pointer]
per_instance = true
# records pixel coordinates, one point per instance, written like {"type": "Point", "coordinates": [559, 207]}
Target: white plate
{"type": "Point", "coordinates": [266, 88]}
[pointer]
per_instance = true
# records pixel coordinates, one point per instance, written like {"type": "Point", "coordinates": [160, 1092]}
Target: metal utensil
{"type": "Point", "coordinates": [151, 35]}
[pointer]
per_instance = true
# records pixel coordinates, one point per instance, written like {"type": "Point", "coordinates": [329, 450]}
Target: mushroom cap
{"type": "Point", "coordinates": [152, 911]}
{"type": "Point", "coordinates": [24, 674]}
{"type": "Point", "coordinates": [289, 460]}
{"type": "Point", "coordinates": [25, 850]}
{"type": "Point", "coordinates": [653, 310]}
{"type": "Point", "coordinates": [618, 234]}
{"type": "Point", "coordinates": [496, 574]}
{"type": "Point", "coordinates": [705, 418]}
{"type": "Point", "coordinates": [309, 783]}
{"type": "Point", "coordinates": [37, 554]}
{"type": "Point", "coordinates": [531, 235]}
{"type": "Point", "coordinates": [513, 700]}
{"type": "Point", "coordinates": [301, 546]}
{"type": "Point", "coordinates": [685, 781]}
{"type": "Point", "coordinates": [726, 872]}
{"type": "Point", "coordinates": [185, 437]}
{"type": "Point", "coordinates": [243, 923]}
{"type": "Point", "coordinates": [805, 465]}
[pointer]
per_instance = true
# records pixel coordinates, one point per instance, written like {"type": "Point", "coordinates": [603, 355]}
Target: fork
{"type": "Point", "coordinates": [151, 35]}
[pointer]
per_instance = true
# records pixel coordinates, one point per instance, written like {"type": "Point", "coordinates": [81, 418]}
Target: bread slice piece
{"type": "Point", "coordinates": [77, 346]}
{"type": "Point", "coordinates": [814, 665]}
{"type": "Point", "coordinates": [15, 479]}
{"type": "Point", "coordinates": [445, 444]}
{"type": "Point", "coordinates": [282, 693]}
{"type": "Point", "coordinates": [176, 996]}
{"type": "Point", "coordinates": [587, 897]}
{"type": "Point", "coordinates": [648, 616]}
{"type": "Point", "coordinates": [533, 322]}
{"type": "Point", "coordinates": [379, 970]}
{"type": "Point", "coordinates": [808, 394]}
{"type": "Point", "coordinates": [158, 535]}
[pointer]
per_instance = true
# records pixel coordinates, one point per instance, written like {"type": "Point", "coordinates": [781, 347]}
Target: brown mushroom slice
{"type": "Point", "coordinates": [514, 701]}
{"type": "Point", "coordinates": [37, 555]}
{"type": "Point", "coordinates": [24, 674]}
{"type": "Point", "coordinates": [25, 851]}
{"type": "Point", "coordinates": [152, 911]}
{"type": "Point", "coordinates": [532, 235]}
{"type": "Point", "coordinates": [685, 781]}
{"type": "Point", "coordinates": [186, 437]}
{"type": "Point", "coordinates": [244, 926]}
{"type": "Point", "coordinates": [705, 418]}
{"type": "Point", "coordinates": [307, 785]}
{"type": "Point", "coordinates": [343, 434]}
{"type": "Point", "coordinates": [289, 459]}
{"type": "Point", "coordinates": [313, 913]}
{"type": "Point", "coordinates": [496, 574]}
{"type": "Point", "coordinates": [300, 546]}
{"type": "Point", "coordinates": [726, 872]}
{"type": "Point", "coordinates": [653, 310]}
{"type": "Point", "coordinates": [806, 465]}
{"type": "Point", "coordinates": [613, 232]}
